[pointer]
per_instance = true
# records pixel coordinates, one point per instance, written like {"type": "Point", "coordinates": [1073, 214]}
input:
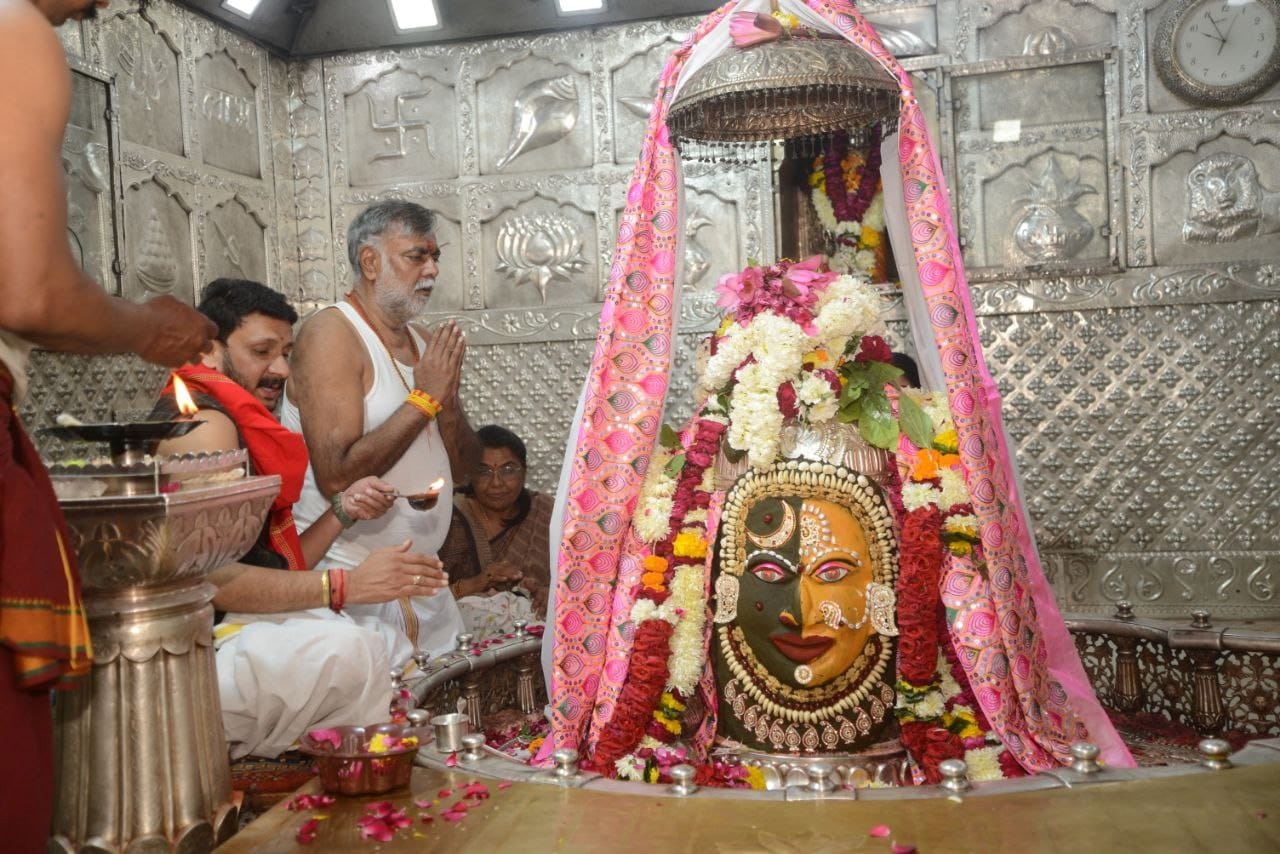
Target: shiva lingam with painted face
{"type": "Point", "coordinates": [804, 618]}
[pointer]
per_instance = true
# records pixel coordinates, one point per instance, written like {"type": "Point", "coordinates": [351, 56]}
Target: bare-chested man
{"type": "Point", "coordinates": [48, 302]}
{"type": "Point", "coordinates": [374, 395]}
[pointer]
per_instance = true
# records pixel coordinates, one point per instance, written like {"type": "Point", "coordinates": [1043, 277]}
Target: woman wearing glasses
{"type": "Point", "coordinates": [496, 552]}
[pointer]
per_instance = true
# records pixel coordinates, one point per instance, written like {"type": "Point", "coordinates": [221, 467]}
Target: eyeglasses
{"type": "Point", "coordinates": [507, 472]}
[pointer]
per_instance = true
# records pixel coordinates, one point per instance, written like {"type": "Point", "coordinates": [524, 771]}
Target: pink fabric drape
{"type": "Point", "coordinates": [626, 387]}
{"type": "Point", "coordinates": [1008, 632]}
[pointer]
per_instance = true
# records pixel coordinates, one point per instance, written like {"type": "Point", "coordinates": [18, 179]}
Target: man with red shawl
{"type": "Point", "coordinates": [288, 657]}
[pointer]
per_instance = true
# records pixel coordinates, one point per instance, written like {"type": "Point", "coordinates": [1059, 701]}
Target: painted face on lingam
{"type": "Point", "coordinates": [802, 600]}
{"type": "Point", "coordinates": [804, 610]}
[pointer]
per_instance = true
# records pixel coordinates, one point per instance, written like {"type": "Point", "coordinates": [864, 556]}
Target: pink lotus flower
{"type": "Point", "coordinates": [751, 28]}
{"type": "Point", "coordinates": [736, 289]}
{"type": "Point", "coordinates": [802, 277]}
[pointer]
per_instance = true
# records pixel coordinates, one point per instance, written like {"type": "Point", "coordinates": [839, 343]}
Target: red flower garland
{"type": "Point", "coordinates": [929, 745]}
{"type": "Point", "coordinates": [852, 206]}
{"type": "Point", "coordinates": [647, 672]}
{"type": "Point", "coordinates": [919, 570]}
{"type": "Point", "coordinates": [639, 696]}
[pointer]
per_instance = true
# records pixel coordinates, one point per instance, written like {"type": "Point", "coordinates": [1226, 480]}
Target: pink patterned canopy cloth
{"type": "Point", "coordinates": [1007, 630]}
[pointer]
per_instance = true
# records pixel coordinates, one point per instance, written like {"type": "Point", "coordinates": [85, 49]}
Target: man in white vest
{"type": "Point", "coordinates": [373, 394]}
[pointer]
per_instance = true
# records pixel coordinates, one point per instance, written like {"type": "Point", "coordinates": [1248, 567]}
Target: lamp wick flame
{"type": "Point", "coordinates": [436, 484]}
{"type": "Point", "coordinates": [182, 397]}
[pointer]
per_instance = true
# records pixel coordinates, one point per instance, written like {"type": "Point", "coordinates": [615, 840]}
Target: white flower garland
{"type": "Point", "coordinates": [777, 347]}
{"type": "Point", "coordinates": [684, 666]}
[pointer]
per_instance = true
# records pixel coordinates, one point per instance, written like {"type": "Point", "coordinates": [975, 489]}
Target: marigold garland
{"type": "Point", "coordinates": [848, 198]}
{"type": "Point", "coordinates": [937, 713]}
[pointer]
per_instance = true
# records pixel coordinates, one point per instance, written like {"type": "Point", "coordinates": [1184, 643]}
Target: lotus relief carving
{"type": "Point", "coordinates": [538, 249]}
{"type": "Point", "coordinates": [1051, 229]}
{"type": "Point", "coordinates": [545, 111]}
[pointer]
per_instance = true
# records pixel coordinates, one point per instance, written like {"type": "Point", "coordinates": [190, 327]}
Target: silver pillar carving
{"type": "Point", "coordinates": [141, 753]}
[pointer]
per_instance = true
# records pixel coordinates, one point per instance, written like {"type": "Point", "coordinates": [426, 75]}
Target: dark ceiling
{"type": "Point", "coordinates": [298, 28]}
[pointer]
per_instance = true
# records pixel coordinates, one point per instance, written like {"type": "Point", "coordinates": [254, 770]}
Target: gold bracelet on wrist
{"type": "Point", "coordinates": [325, 590]}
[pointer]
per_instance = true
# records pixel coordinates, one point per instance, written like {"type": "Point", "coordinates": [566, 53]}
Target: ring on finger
{"type": "Point", "coordinates": [417, 579]}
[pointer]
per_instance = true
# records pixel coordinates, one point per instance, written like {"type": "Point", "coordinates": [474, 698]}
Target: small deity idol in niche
{"type": "Point", "coordinates": [1226, 201]}
{"type": "Point", "coordinates": [803, 643]}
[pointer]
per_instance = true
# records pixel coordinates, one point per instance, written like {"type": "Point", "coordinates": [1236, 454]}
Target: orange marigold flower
{"type": "Point", "coordinates": [655, 563]}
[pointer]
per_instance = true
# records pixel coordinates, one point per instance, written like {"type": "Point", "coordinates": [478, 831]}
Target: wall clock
{"type": "Point", "coordinates": [1219, 52]}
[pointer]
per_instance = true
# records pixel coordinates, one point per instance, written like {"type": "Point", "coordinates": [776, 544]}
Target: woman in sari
{"type": "Point", "coordinates": [496, 552]}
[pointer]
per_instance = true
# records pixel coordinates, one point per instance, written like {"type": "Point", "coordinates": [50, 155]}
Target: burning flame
{"type": "Point", "coordinates": [436, 485]}
{"type": "Point", "coordinates": [182, 397]}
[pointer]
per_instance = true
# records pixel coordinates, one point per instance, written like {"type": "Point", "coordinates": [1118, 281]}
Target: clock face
{"type": "Point", "coordinates": [1224, 44]}
{"type": "Point", "coordinates": [1219, 52]}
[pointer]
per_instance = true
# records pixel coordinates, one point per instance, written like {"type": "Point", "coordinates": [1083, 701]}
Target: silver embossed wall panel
{"type": "Point", "coordinates": [1137, 351]}
{"type": "Point", "coordinates": [149, 75]}
{"type": "Point", "coordinates": [92, 184]}
{"type": "Point", "coordinates": [1147, 442]}
{"type": "Point", "coordinates": [198, 170]}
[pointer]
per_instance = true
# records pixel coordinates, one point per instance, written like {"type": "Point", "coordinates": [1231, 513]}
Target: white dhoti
{"type": "Point", "coordinates": [276, 681]}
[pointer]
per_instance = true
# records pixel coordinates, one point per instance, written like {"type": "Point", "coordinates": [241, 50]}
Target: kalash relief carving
{"type": "Point", "coordinates": [1050, 228]}
{"type": "Point", "coordinates": [1226, 201]}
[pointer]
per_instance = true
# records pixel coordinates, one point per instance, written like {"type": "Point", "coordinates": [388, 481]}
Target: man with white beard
{"type": "Point", "coordinates": [373, 394]}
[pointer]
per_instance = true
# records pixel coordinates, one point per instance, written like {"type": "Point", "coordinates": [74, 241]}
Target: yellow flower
{"type": "Point", "coordinates": [668, 699]}
{"type": "Point", "coordinates": [818, 358]}
{"type": "Point", "coordinates": [788, 20]}
{"type": "Point", "coordinates": [689, 544]}
{"type": "Point", "coordinates": [651, 774]}
{"type": "Point", "coordinates": [671, 726]}
{"type": "Point", "coordinates": [960, 548]}
{"type": "Point", "coordinates": [380, 743]}
{"type": "Point", "coordinates": [947, 442]}
{"type": "Point", "coordinates": [969, 727]}
{"type": "Point", "coordinates": [755, 777]}
{"type": "Point", "coordinates": [870, 238]}
{"type": "Point", "coordinates": [724, 325]}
